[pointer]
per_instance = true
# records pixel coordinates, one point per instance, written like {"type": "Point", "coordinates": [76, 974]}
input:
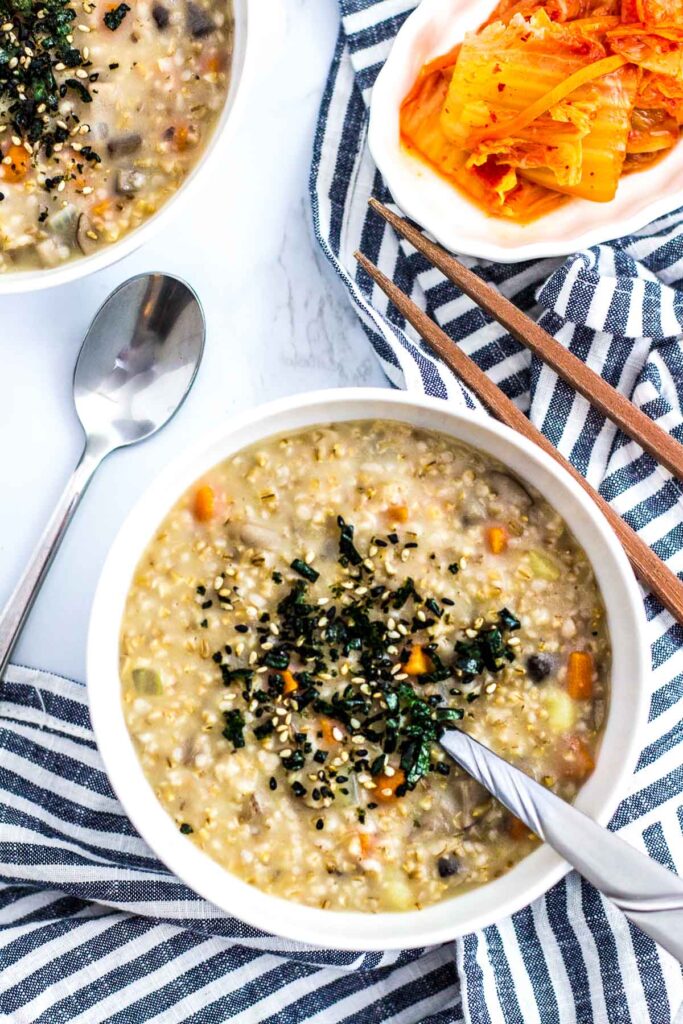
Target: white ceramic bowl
{"type": "Point", "coordinates": [433, 28]}
{"type": "Point", "coordinates": [454, 917]}
{"type": "Point", "coordinates": [249, 32]}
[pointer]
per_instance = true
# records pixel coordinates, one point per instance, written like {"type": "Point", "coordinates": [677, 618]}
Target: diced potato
{"type": "Point", "coordinates": [147, 681]}
{"type": "Point", "coordinates": [396, 891]}
{"type": "Point", "coordinates": [543, 567]}
{"type": "Point", "coordinates": [561, 710]}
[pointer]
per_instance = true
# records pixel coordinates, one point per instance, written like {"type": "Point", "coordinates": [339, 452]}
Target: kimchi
{"type": "Point", "coordinates": [551, 99]}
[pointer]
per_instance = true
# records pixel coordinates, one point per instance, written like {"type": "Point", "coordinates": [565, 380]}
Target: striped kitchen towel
{"type": "Point", "coordinates": [570, 957]}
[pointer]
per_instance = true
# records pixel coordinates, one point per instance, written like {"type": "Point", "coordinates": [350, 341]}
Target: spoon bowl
{"type": "Point", "coordinates": [139, 359]}
{"type": "Point", "coordinates": [136, 366]}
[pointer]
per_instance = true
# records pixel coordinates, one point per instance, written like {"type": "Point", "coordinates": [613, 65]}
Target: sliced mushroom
{"type": "Point", "coordinates": [161, 16]}
{"type": "Point", "coordinates": [258, 535]}
{"type": "Point", "coordinates": [249, 810]}
{"type": "Point", "coordinates": [124, 145]}
{"type": "Point", "coordinates": [199, 21]}
{"type": "Point", "coordinates": [448, 865]}
{"type": "Point", "coordinates": [509, 490]}
{"type": "Point", "coordinates": [539, 667]}
{"type": "Point", "coordinates": [599, 711]}
{"type": "Point", "coordinates": [129, 181]}
{"type": "Point", "coordinates": [86, 243]}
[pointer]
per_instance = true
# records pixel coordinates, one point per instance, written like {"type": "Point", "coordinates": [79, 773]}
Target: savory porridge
{"type": "Point", "coordinates": [104, 110]}
{"type": "Point", "coordinates": [307, 621]}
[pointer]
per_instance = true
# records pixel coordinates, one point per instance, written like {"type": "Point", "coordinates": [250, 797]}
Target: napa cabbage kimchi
{"type": "Point", "coordinates": [551, 99]}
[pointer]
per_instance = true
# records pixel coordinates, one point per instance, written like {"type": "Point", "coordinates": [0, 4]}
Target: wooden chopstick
{"type": "Point", "coordinates": [651, 570]}
{"type": "Point", "coordinates": [664, 448]}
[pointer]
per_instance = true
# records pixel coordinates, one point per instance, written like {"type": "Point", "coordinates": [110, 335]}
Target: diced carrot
{"type": "Point", "coordinates": [99, 209]}
{"type": "Point", "coordinates": [212, 62]}
{"type": "Point", "coordinates": [290, 682]}
{"type": "Point", "coordinates": [398, 513]}
{"type": "Point", "coordinates": [517, 829]}
{"type": "Point", "coordinates": [387, 786]}
{"type": "Point", "coordinates": [184, 137]}
{"type": "Point", "coordinates": [204, 503]}
{"type": "Point", "coordinates": [497, 539]}
{"type": "Point", "coordinates": [17, 169]}
{"type": "Point", "coordinates": [418, 663]}
{"type": "Point", "coordinates": [367, 843]}
{"type": "Point", "coordinates": [580, 675]}
{"type": "Point", "coordinates": [328, 727]}
{"type": "Point", "coordinates": [578, 761]}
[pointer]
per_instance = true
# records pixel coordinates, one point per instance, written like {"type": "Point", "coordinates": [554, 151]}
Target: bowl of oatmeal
{"type": "Point", "coordinates": [108, 111]}
{"type": "Point", "coordinates": [292, 616]}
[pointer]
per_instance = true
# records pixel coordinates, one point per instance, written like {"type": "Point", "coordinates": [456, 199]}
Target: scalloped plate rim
{"type": "Point", "coordinates": [412, 196]}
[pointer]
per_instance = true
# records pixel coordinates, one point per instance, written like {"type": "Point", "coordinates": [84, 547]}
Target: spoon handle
{"type": "Point", "coordinates": [15, 612]}
{"type": "Point", "coordinates": [649, 895]}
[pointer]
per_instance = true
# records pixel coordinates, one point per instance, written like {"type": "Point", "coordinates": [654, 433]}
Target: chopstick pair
{"type": "Point", "coordinates": [664, 448]}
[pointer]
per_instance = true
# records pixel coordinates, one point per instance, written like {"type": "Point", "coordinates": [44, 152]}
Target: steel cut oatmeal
{"type": "Point", "coordinates": [311, 616]}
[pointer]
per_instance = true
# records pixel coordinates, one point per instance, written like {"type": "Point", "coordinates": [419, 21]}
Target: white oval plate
{"type": "Point", "coordinates": [433, 28]}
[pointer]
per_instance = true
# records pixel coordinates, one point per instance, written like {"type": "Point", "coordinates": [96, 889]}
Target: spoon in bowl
{"type": "Point", "coordinates": [137, 363]}
{"type": "Point", "coordinates": [648, 894]}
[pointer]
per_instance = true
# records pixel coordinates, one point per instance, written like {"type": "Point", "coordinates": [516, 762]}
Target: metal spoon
{"type": "Point", "coordinates": [649, 895]}
{"type": "Point", "coordinates": [136, 365]}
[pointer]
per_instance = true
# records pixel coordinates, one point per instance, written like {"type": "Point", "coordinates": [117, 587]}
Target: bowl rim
{"type": "Point", "coordinates": [345, 930]}
{"type": "Point", "coordinates": [248, 25]}
{"type": "Point", "coordinates": [386, 150]}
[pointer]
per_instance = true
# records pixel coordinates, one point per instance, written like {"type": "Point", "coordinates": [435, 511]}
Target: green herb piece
{"type": "Point", "coordinates": [454, 568]}
{"type": "Point", "coordinates": [433, 607]}
{"type": "Point", "coordinates": [347, 548]}
{"type": "Point", "coordinates": [508, 620]}
{"type": "Point", "coordinates": [186, 829]}
{"type": "Point", "coordinates": [236, 675]}
{"type": "Point", "coordinates": [406, 590]}
{"type": "Point", "coordinates": [263, 730]}
{"type": "Point", "coordinates": [113, 18]}
{"type": "Point", "coordinates": [295, 762]}
{"type": "Point", "coordinates": [234, 728]}
{"type": "Point", "coordinates": [276, 577]}
{"type": "Point", "coordinates": [147, 682]}
{"type": "Point", "coordinates": [278, 658]}
{"type": "Point", "coordinates": [305, 570]}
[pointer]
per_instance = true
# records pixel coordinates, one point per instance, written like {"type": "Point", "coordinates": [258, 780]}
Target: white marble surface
{"type": "Point", "coordinates": [277, 322]}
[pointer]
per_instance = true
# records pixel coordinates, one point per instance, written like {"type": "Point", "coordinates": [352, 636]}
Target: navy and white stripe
{"type": "Point", "coordinates": [93, 928]}
{"type": "Point", "coordinates": [619, 307]}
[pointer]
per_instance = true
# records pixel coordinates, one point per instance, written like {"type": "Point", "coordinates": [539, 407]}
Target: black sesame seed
{"type": "Point", "coordinates": [320, 824]}
{"type": "Point", "coordinates": [241, 627]}
{"type": "Point", "coordinates": [186, 829]}
{"type": "Point", "coordinates": [272, 782]}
